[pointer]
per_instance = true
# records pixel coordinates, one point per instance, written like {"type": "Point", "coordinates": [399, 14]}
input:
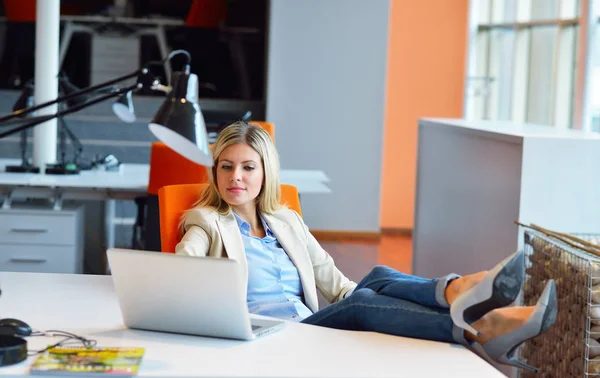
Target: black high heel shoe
{"type": "Point", "coordinates": [499, 288]}
{"type": "Point", "coordinates": [502, 348]}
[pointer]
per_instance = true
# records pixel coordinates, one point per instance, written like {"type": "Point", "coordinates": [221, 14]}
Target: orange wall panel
{"type": "Point", "coordinates": [425, 78]}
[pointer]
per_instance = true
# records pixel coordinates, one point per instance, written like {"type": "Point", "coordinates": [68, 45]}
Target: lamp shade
{"type": "Point", "coordinates": [179, 122]}
{"type": "Point", "coordinates": [123, 108]}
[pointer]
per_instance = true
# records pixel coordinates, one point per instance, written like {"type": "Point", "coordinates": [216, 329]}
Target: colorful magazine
{"type": "Point", "coordinates": [116, 361]}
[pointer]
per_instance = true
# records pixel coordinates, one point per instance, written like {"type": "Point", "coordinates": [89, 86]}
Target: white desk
{"type": "Point", "coordinates": [87, 305]}
{"type": "Point", "coordinates": [128, 183]}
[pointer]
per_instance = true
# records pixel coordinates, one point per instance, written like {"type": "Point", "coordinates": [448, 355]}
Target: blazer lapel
{"type": "Point", "coordinates": [232, 241]}
{"type": "Point", "coordinates": [296, 250]}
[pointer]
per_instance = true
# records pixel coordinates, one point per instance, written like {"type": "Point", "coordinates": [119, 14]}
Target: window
{"type": "Point", "coordinates": [525, 66]}
{"type": "Point", "coordinates": [593, 88]}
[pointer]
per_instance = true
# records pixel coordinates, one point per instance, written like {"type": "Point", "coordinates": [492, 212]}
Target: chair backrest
{"type": "Point", "coordinates": [173, 200]}
{"type": "Point", "coordinates": [167, 167]}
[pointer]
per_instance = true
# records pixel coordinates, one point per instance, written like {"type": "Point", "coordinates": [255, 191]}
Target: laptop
{"type": "Point", "coordinates": [202, 296]}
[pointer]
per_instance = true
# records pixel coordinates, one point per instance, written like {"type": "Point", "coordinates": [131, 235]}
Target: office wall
{"type": "Point", "coordinates": [326, 96]}
{"type": "Point", "coordinates": [425, 78]}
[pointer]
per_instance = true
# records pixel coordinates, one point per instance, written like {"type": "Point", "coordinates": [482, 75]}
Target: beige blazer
{"type": "Point", "coordinates": [207, 233]}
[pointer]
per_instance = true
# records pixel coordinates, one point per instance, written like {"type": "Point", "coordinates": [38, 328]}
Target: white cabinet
{"type": "Point", "coordinates": [40, 239]}
{"type": "Point", "coordinates": [475, 178]}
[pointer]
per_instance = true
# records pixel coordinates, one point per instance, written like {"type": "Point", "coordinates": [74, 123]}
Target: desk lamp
{"type": "Point", "coordinates": [26, 100]}
{"type": "Point", "coordinates": [123, 107]}
{"type": "Point", "coordinates": [178, 123]}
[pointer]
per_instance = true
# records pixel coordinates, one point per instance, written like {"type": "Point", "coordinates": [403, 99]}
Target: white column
{"type": "Point", "coordinates": [46, 81]}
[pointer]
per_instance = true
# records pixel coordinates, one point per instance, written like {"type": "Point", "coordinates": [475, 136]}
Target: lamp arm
{"type": "Point", "coordinates": [38, 120]}
{"type": "Point", "coordinates": [22, 112]}
{"type": "Point", "coordinates": [170, 56]}
{"type": "Point", "coordinates": [142, 71]}
{"type": "Point", "coordinates": [74, 140]}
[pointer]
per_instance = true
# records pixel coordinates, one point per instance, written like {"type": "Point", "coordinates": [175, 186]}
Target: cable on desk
{"type": "Point", "coordinates": [69, 339]}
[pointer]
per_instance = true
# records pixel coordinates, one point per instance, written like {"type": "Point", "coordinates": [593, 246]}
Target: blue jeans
{"type": "Point", "coordinates": [394, 303]}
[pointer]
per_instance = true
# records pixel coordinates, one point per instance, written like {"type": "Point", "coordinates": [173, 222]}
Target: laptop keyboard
{"type": "Point", "coordinates": [255, 327]}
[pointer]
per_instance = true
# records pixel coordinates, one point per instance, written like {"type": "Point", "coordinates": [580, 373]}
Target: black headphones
{"type": "Point", "coordinates": [13, 348]}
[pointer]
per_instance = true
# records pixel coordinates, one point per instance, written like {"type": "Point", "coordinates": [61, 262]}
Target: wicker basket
{"type": "Point", "coordinates": [570, 348]}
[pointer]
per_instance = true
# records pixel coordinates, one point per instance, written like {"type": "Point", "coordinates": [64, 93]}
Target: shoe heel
{"type": "Point", "coordinates": [499, 288]}
{"type": "Point", "coordinates": [502, 349]}
{"type": "Point", "coordinates": [516, 363]}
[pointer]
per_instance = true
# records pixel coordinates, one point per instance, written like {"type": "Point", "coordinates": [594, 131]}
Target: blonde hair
{"type": "Point", "coordinates": [256, 137]}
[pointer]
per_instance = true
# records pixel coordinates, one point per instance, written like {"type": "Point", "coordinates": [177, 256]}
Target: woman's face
{"type": "Point", "coordinates": [240, 175]}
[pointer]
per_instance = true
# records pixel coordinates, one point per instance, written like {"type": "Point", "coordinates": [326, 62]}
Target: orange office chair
{"type": "Point", "coordinates": [167, 167]}
{"type": "Point", "coordinates": [173, 200]}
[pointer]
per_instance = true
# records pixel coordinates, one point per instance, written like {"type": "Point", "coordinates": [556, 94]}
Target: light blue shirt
{"type": "Point", "coordinates": [274, 287]}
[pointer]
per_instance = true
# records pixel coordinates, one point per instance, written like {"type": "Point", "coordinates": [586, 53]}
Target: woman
{"type": "Point", "coordinates": [239, 216]}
